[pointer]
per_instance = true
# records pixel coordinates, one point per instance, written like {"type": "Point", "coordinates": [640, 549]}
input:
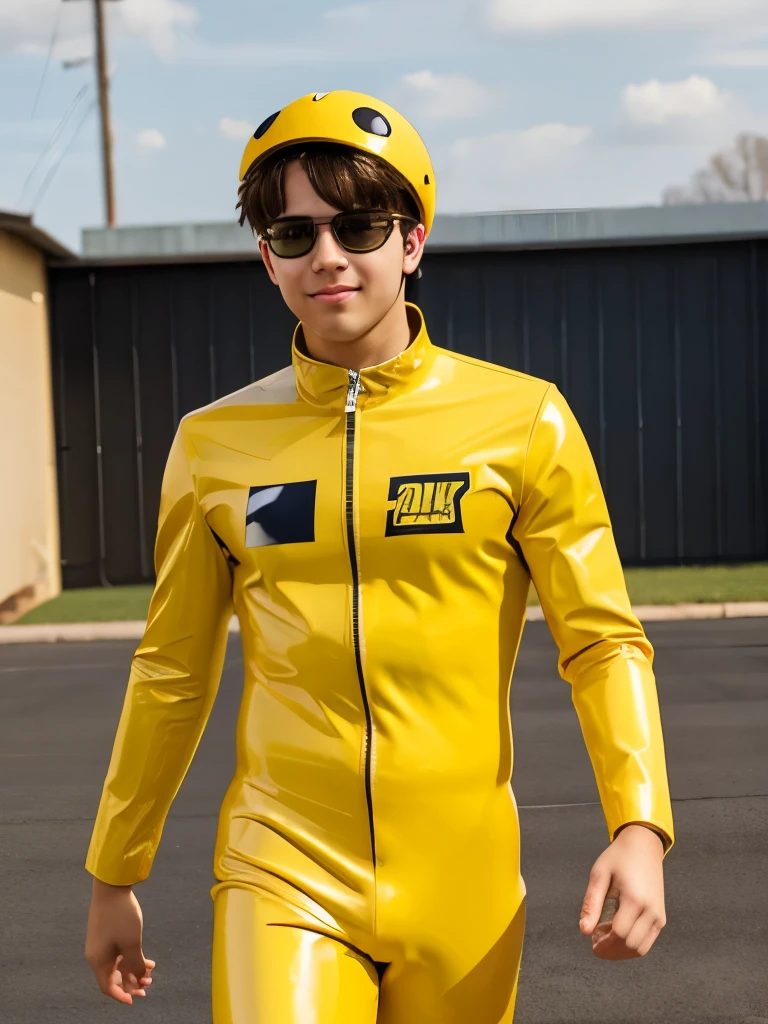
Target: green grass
{"type": "Point", "coordinates": [695, 584]}
{"type": "Point", "coordinates": [683, 584]}
{"type": "Point", "coordinates": [698, 584]}
{"type": "Point", "coordinates": [92, 604]}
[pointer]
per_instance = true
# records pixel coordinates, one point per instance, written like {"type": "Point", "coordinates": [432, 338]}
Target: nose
{"type": "Point", "coordinates": [327, 253]}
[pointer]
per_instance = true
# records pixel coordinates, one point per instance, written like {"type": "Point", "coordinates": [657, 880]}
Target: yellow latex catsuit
{"type": "Point", "coordinates": [376, 535]}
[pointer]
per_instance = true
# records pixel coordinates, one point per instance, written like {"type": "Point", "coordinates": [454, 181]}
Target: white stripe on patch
{"type": "Point", "coordinates": [257, 537]}
{"type": "Point", "coordinates": [262, 498]}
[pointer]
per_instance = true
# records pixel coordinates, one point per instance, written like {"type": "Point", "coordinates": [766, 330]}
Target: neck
{"type": "Point", "coordinates": [385, 340]}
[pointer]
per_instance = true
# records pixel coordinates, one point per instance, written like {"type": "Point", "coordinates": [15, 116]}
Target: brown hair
{"type": "Point", "coordinates": [343, 177]}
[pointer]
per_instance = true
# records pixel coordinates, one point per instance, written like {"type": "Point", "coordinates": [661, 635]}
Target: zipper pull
{"type": "Point", "coordinates": [352, 390]}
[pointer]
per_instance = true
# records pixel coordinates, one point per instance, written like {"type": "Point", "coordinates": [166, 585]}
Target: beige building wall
{"type": "Point", "coordinates": [30, 570]}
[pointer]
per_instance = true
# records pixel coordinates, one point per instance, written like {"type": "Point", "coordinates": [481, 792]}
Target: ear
{"type": "Point", "coordinates": [414, 248]}
{"type": "Point", "coordinates": [266, 255]}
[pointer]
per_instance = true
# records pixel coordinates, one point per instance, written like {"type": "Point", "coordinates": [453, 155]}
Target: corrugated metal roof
{"type": "Point", "coordinates": [534, 229]}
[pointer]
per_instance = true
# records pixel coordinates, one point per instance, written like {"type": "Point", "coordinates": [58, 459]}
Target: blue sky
{"type": "Point", "coordinates": [561, 103]}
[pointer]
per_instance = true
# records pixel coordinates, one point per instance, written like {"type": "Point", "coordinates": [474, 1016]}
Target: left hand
{"type": "Point", "coordinates": [629, 871]}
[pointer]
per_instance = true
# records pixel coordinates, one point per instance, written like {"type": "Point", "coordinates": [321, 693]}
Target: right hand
{"type": "Point", "coordinates": [113, 942]}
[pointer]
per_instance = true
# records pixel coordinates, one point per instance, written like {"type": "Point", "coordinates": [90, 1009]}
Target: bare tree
{"type": "Point", "coordinates": [734, 175]}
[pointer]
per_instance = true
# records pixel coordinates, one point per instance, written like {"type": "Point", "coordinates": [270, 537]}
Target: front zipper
{"type": "Point", "coordinates": [352, 392]}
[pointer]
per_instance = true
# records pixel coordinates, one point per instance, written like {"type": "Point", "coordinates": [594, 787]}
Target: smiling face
{"type": "Point", "coordinates": [339, 296]}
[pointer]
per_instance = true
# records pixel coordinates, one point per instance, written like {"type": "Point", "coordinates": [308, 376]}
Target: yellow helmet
{"type": "Point", "coordinates": [352, 119]}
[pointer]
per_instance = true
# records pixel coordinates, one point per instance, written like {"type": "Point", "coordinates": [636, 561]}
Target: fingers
{"type": "Point", "coordinates": [123, 989]}
{"type": "Point", "coordinates": [637, 882]}
{"type": "Point", "coordinates": [644, 933]}
{"type": "Point", "coordinates": [123, 984]}
{"type": "Point", "coordinates": [597, 891]}
{"type": "Point", "coordinates": [626, 916]}
{"type": "Point", "coordinates": [632, 933]}
{"type": "Point", "coordinates": [109, 978]}
{"type": "Point", "coordinates": [118, 988]}
{"type": "Point", "coordinates": [635, 919]}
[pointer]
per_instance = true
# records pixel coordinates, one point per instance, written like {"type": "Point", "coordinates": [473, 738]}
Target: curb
{"type": "Point", "coordinates": [684, 612]}
{"type": "Point", "coordinates": [82, 632]}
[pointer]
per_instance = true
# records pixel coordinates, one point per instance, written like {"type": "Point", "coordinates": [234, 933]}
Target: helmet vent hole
{"type": "Point", "coordinates": [266, 125]}
{"type": "Point", "coordinates": [319, 96]}
{"type": "Point", "coordinates": [426, 179]}
{"type": "Point", "coordinates": [372, 121]}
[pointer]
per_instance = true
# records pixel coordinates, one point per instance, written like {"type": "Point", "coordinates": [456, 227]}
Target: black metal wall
{"type": "Point", "coordinates": [662, 353]}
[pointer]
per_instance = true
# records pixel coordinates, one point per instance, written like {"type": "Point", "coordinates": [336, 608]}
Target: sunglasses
{"type": "Point", "coordinates": [356, 231]}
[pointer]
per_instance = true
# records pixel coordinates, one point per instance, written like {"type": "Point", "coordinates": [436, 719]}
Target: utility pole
{"type": "Point", "coordinates": [106, 124]}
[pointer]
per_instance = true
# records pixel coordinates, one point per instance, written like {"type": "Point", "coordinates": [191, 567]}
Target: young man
{"type": "Point", "coordinates": [374, 514]}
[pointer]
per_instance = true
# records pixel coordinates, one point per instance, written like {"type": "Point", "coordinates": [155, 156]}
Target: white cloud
{"type": "Point", "coordinates": [445, 96]}
{"type": "Point", "coordinates": [545, 16]}
{"type": "Point", "coordinates": [151, 138]}
{"type": "Point", "coordinates": [199, 53]}
{"type": "Point", "coordinates": [656, 102]}
{"type": "Point", "coordinates": [26, 25]}
{"type": "Point", "coordinates": [543, 138]}
{"type": "Point", "coordinates": [691, 111]}
{"type": "Point", "coordinates": [544, 144]}
{"type": "Point", "coordinates": [157, 22]}
{"type": "Point", "coordinates": [665, 130]}
{"type": "Point", "coordinates": [168, 26]}
{"type": "Point", "coordinates": [530, 168]}
{"type": "Point", "coordinates": [71, 49]}
{"type": "Point", "coordinates": [512, 169]}
{"type": "Point", "coordinates": [30, 49]}
{"type": "Point", "coordinates": [558, 167]}
{"type": "Point", "coordinates": [233, 129]}
{"type": "Point", "coordinates": [736, 59]}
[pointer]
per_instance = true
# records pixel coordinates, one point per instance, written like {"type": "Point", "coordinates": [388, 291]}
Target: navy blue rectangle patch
{"type": "Point", "coordinates": [281, 514]}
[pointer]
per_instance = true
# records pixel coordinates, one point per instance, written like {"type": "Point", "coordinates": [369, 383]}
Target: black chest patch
{"type": "Point", "coordinates": [426, 503]}
{"type": "Point", "coordinates": [281, 514]}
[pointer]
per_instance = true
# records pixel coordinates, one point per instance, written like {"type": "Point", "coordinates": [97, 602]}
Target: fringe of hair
{"type": "Point", "coordinates": [343, 177]}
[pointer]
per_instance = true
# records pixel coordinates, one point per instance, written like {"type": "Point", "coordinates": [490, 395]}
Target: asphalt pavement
{"type": "Point", "coordinates": [59, 705]}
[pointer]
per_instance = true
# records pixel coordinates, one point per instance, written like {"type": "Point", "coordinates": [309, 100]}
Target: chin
{"type": "Point", "coordinates": [341, 329]}
{"type": "Point", "coordinates": [339, 324]}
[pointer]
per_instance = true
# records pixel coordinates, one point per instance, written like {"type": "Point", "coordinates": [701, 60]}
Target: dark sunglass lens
{"type": "Point", "coordinates": [291, 238]}
{"type": "Point", "coordinates": [362, 232]}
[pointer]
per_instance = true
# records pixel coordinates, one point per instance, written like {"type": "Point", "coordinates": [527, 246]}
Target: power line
{"type": "Point", "coordinates": [49, 177]}
{"type": "Point", "coordinates": [54, 35]}
{"type": "Point", "coordinates": [56, 133]}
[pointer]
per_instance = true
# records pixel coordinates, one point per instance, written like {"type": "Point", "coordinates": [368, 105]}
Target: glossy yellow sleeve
{"type": "Point", "coordinates": [172, 685]}
{"type": "Point", "coordinates": [564, 531]}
